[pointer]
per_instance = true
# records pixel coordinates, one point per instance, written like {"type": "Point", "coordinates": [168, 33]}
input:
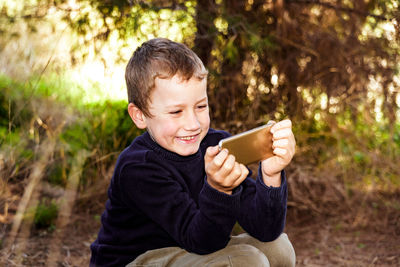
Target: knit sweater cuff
{"type": "Point", "coordinates": [274, 192]}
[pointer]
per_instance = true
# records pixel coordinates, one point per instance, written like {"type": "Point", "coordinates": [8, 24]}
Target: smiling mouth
{"type": "Point", "coordinates": [188, 138]}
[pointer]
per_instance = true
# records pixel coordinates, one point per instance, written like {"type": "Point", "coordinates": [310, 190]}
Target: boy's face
{"type": "Point", "coordinates": [180, 114]}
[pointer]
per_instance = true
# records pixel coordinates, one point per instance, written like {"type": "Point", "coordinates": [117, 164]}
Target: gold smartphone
{"type": "Point", "coordinates": [250, 146]}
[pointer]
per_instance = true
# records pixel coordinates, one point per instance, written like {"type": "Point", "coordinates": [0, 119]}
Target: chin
{"type": "Point", "coordinates": [188, 152]}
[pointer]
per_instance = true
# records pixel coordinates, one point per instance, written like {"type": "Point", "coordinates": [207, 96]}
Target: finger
{"type": "Point", "coordinates": [233, 174]}
{"type": "Point", "coordinates": [221, 157]}
{"type": "Point", "coordinates": [245, 171]}
{"type": "Point", "coordinates": [281, 152]}
{"type": "Point", "coordinates": [281, 125]}
{"type": "Point", "coordinates": [243, 176]}
{"type": "Point", "coordinates": [211, 152]}
{"type": "Point", "coordinates": [231, 179]}
{"type": "Point", "coordinates": [215, 164]}
{"type": "Point", "coordinates": [224, 174]}
{"type": "Point", "coordinates": [236, 171]}
{"type": "Point", "coordinates": [227, 167]}
{"type": "Point", "coordinates": [282, 133]}
{"type": "Point", "coordinates": [284, 139]}
{"type": "Point", "coordinates": [285, 155]}
{"type": "Point", "coordinates": [281, 143]}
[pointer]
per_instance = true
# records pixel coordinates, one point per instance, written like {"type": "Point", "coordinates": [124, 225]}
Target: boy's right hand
{"type": "Point", "coordinates": [223, 172]}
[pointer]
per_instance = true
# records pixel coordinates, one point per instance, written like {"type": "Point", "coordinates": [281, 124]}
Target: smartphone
{"type": "Point", "coordinates": [250, 146]}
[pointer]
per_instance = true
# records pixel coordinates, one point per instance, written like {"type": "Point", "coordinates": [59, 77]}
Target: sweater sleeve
{"type": "Point", "coordinates": [263, 208]}
{"type": "Point", "coordinates": [201, 228]}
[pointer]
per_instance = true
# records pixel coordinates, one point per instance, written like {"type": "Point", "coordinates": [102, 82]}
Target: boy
{"type": "Point", "coordinates": [174, 197]}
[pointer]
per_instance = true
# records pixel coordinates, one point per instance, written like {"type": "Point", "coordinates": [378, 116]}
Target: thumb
{"type": "Point", "coordinates": [211, 152]}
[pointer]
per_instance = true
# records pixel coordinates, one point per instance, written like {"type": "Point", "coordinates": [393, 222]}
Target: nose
{"type": "Point", "coordinates": [191, 122]}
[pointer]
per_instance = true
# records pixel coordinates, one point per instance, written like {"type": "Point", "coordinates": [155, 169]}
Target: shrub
{"type": "Point", "coordinates": [46, 214]}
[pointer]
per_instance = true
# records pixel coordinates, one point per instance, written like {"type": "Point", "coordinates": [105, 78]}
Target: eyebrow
{"type": "Point", "coordinates": [201, 100]}
{"type": "Point", "coordinates": [182, 105]}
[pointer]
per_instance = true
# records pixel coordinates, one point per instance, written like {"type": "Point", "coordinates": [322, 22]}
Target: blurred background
{"type": "Point", "coordinates": [331, 66]}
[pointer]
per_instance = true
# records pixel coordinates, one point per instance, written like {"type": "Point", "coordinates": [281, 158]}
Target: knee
{"type": "Point", "coordinates": [284, 254]}
{"type": "Point", "coordinates": [247, 255]}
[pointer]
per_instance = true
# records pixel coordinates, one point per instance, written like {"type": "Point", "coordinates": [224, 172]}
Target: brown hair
{"type": "Point", "coordinates": [159, 58]}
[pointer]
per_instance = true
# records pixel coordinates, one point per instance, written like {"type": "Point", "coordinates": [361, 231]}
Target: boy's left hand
{"type": "Point", "coordinates": [284, 148]}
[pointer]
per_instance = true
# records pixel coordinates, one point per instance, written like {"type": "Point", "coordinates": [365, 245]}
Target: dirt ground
{"type": "Point", "coordinates": [368, 235]}
{"type": "Point", "coordinates": [337, 242]}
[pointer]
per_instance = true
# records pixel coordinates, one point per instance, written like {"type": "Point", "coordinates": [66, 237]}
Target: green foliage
{"type": "Point", "coordinates": [56, 173]}
{"type": "Point", "coordinates": [106, 126]}
{"type": "Point", "coordinates": [4, 107]}
{"type": "Point", "coordinates": [260, 44]}
{"type": "Point", "coordinates": [46, 214]}
{"type": "Point", "coordinates": [40, 107]}
{"type": "Point", "coordinates": [362, 153]}
{"type": "Point", "coordinates": [231, 52]}
{"type": "Point", "coordinates": [14, 101]}
{"type": "Point", "coordinates": [360, 158]}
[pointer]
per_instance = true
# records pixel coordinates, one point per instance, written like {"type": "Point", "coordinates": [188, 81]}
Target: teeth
{"type": "Point", "coordinates": [187, 138]}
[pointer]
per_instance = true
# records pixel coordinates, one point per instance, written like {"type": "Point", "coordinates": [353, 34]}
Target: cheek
{"type": "Point", "coordinates": [205, 120]}
{"type": "Point", "coordinates": [168, 128]}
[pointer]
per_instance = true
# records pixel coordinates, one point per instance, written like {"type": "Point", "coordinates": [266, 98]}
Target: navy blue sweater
{"type": "Point", "coordinates": [160, 199]}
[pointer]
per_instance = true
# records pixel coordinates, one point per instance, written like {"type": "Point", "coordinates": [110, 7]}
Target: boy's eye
{"type": "Point", "coordinates": [175, 112]}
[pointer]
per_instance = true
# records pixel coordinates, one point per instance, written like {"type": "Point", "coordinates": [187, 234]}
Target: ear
{"type": "Point", "coordinates": [137, 116]}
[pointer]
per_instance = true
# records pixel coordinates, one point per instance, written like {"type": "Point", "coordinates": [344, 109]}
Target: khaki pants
{"type": "Point", "coordinates": [242, 250]}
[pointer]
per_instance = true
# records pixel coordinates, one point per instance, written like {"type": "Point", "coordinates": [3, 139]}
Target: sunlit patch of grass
{"type": "Point", "coordinates": [79, 86]}
{"type": "Point", "coordinates": [92, 83]}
